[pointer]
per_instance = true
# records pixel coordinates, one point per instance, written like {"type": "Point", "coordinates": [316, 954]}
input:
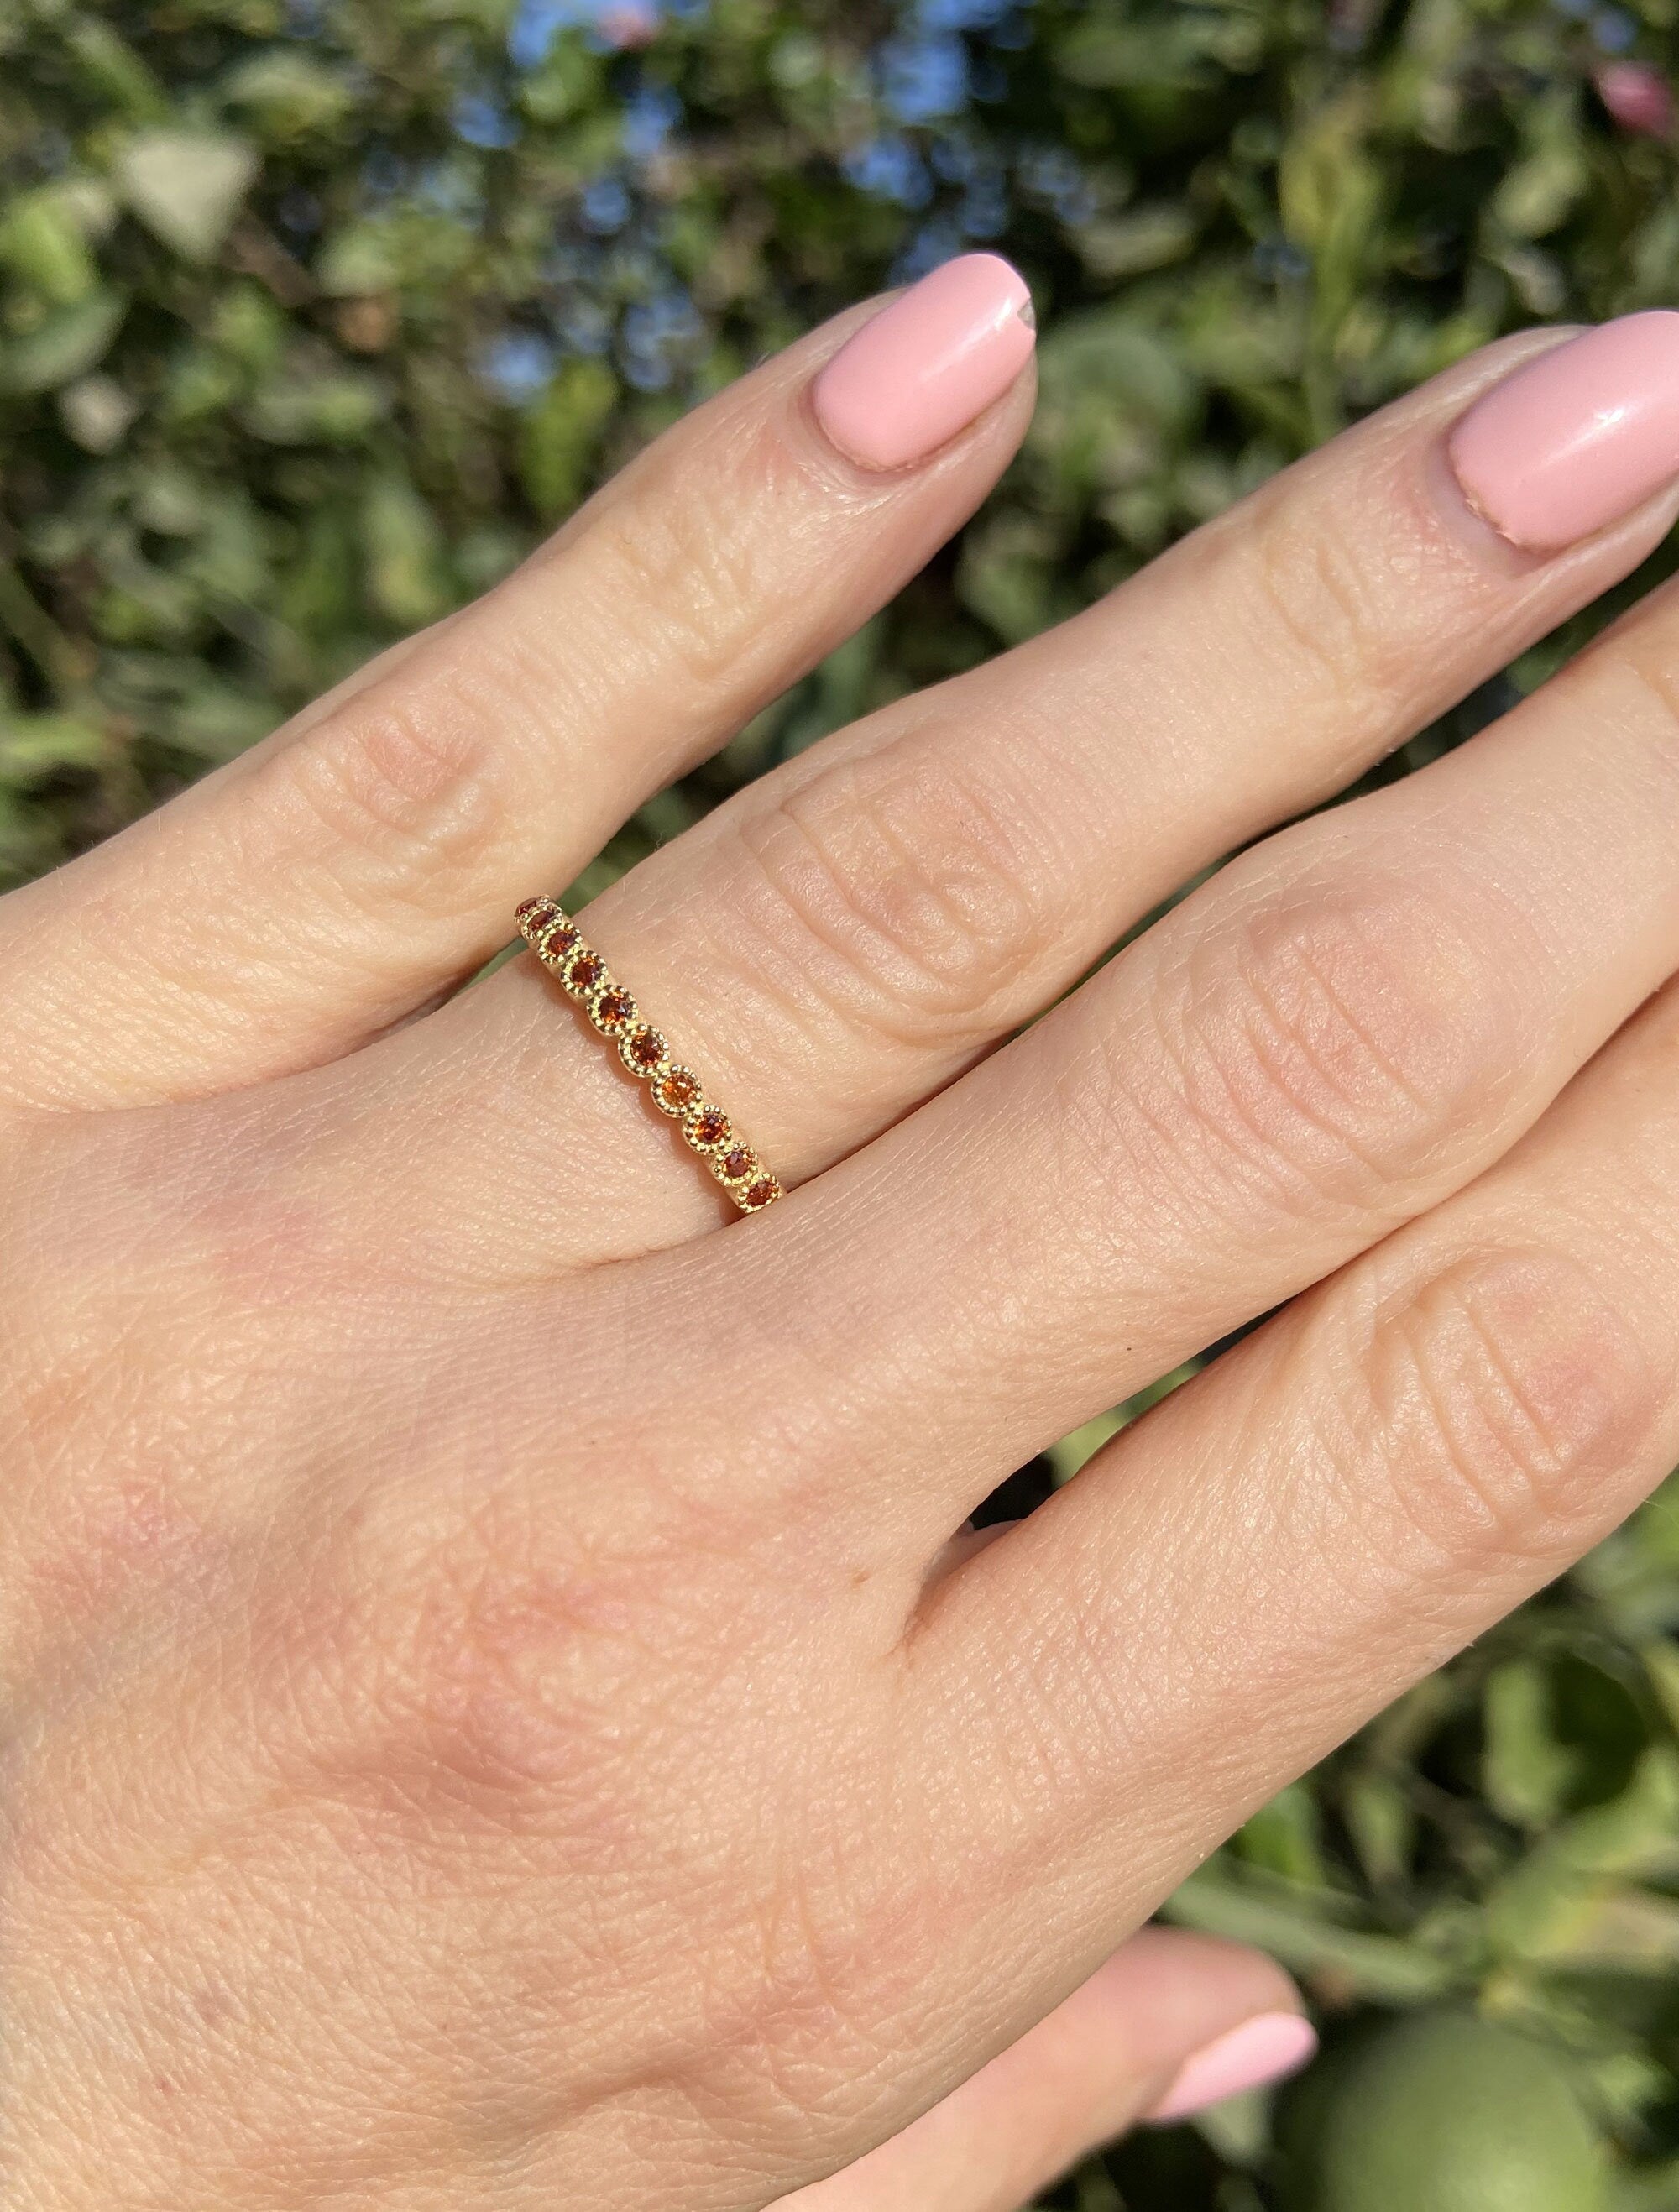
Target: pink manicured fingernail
{"type": "Point", "coordinates": [927, 365]}
{"type": "Point", "coordinates": [1577, 438]}
{"type": "Point", "coordinates": [1260, 2051]}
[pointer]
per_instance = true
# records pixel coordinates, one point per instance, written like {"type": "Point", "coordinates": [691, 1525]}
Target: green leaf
{"type": "Point", "coordinates": [114, 72]}
{"type": "Point", "coordinates": [187, 185]}
{"type": "Point", "coordinates": [1076, 1450]}
{"type": "Point", "coordinates": [1378, 1966]}
{"type": "Point", "coordinates": [1178, 51]}
{"type": "Point", "coordinates": [561, 433]}
{"type": "Point", "coordinates": [97, 412]}
{"type": "Point", "coordinates": [288, 92]}
{"type": "Point", "coordinates": [1546, 1906]}
{"type": "Point", "coordinates": [1331, 192]}
{"type": "Point", "coordinates": [44, 244]}
{"type": "Point", "coordinates": [36, 745]}
{"type": "Point", "coordinates": [329, 407]}
{"type": "Point", "coordinates": [1285, 1838]}
{"type": "Point", "coordinates": [1382, 1821]}
{"type": "Point", "coordinates": [564, 83]}
{"type": "Point", "coordinates": [1144, 237]}
{"type": "Point", "coordinates": [66, 346]}
{"type": "Point", "coordinates": [406, 579]}
{"type": "Point", "coordinates": [215, 721]}
{"type": "Point", "coordinates": [1006, 575]}
{"type": "Point", "coordinates": [364, 257]}
{"type": "Point", "coordinates": [1537, 196]}
{"type": "Point", "coordinates": [1526, 1772]}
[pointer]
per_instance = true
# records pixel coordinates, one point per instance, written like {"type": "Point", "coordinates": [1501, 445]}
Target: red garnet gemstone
{"type": "Point", "coordinates": [645, 1050]}
{"type": "Point", "coordinates": [678, 1090]}
{"type": "Point", "coordinates": [586, 971]}
{"type": "Point", "coordinates": [558, 942]}
{"type": "Point", "coordinates": [760, 1194]}
{"type": "Point", "coordinates": [533, 910]}
{"type": "Point", "coordinates": [709, 1127]}
{"type": "Point", "coordinates": [613, 1008]}
{"type": "Point", "coordinates": [736, 1164]}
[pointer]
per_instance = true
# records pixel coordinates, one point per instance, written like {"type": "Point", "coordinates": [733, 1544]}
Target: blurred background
{"type": "Point", "coordinates": [314, 314]}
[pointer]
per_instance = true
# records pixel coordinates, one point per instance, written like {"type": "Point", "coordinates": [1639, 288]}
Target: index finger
{"type": "Point", "coordinates": [323, 886]}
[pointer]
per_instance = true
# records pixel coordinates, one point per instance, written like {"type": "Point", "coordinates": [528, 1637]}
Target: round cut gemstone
{"type": "Point", "coordinates": [737, 1164]}
{"type": "Point", "coordinates": [612, 1009]}
{"type": "Point", "coordinates": [587, 969]}
{"type": "Point", "coordinates": [559, 940]}
{"type": "Point", "coordinates": [533, 911]}
{"type": "Point", "coordinates": [710, 1128]}
{"type": "Point", "coordinates": [643, 1050]}
{"type": "Point", "coordinates": [760, 1194]}
{"type": "Point", "coordinates": [677, 1089]}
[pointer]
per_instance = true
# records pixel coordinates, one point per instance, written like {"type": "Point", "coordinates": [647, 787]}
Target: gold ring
{"type": "Point", "coordinates": [675, 1089]}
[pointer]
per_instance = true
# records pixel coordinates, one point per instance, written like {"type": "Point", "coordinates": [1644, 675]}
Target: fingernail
{"type": "Point", "coordinates": [928, 365]}
{"type": "Point", "coordinates": [1260, 2050]}
{"type": "Point", "coordinates": [1579, 437]}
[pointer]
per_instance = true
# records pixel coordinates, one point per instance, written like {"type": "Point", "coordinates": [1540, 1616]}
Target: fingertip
{"type": "Point", "coordinates": [1253, 2054]}
{"type": "Point", "coordinates": [928, 365]}
{"type": "Point", "coordinates": [1184, 2013]}
{"type": "Point", "coordinates": [1576, 438]}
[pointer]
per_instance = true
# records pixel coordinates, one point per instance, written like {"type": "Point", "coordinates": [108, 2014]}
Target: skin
{"type": "Point", "coordinates": [498, 1709]}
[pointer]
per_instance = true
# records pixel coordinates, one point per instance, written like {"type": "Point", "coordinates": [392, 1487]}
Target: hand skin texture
{"type": "Point", "coordinates": [499, 1711]}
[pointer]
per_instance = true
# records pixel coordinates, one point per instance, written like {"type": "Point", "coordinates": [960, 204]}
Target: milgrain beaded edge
{"type": "Point", "coordinates": [616, 1015]}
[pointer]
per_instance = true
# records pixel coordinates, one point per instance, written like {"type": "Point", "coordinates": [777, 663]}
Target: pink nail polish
{"type": "Point", "coordinates": [929, 364]}
{"type": "Point", "coordinates": [1260, 2050]}
{"type": "Point", "coordinates": [1577, 439]}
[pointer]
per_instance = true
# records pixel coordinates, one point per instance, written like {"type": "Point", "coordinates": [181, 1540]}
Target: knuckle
{"type": "Point", "coordinates": [705, 568]}
{"type": "Point", "coordinates": [896, 890]}
{"type": "Point", "coordinates": [406, 788]}
{"type": "Point", "coordinates": [502, 1657]}
{"type": "Point", "coordinates": [1313, 600]}
{"type": "Point", "coordinates": [1503, 1391]}
{"type": "Point", "coordinates": [834, 1955]}
{"type": "Point", "coordinates": [1340, 1040]}
{"type": "Point", "coordinates": [1638, 660]}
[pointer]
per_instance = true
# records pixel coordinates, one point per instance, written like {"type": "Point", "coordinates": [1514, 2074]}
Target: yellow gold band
{"type": "Point", "coordinates": [675, 1089]}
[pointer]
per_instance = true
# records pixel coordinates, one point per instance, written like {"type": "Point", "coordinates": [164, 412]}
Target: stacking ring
{"type": "Point", "coordinates": [674, 1088]}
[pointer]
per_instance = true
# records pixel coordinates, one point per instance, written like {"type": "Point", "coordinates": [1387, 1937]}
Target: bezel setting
{"type": "Point", "coordinates": [736, 1163]}
{"type": "Point", "coordinates": [557, 939]}
{"type": "Point", "coordinates": [644, 1052]}
{"type": "Point", "coordinates": [678, 1077]}
{"type": "Point", "coordinates": [613, 1009]}
{"type": "Point", "coordinates": [584, 973]}
{"type": "Point", "coordinates": [707, 1127]}
{"type": "Point", "coordinates": [675, 1089]}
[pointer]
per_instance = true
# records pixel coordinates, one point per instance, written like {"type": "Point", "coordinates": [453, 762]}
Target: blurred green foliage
{"type": "Point", "coordinates": [315, 313]}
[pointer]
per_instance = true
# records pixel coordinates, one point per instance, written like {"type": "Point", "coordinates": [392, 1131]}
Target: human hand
{"type": "Point", "coordinates": [497, 1711]}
